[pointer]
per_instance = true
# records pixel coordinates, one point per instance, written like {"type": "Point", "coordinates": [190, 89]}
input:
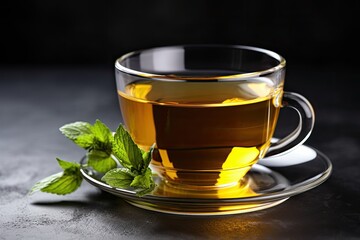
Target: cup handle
{"type": "Point", "coordinates": [302, 132]}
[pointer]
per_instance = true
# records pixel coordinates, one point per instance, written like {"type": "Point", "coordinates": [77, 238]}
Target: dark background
{"type": "Point", "coordinates": [57, 66]}
{"type": "Point", "coordinates": [97, 32]}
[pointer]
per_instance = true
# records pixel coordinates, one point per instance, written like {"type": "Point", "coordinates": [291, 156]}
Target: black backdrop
{"type": "Point", "coordinates": [97, 32]}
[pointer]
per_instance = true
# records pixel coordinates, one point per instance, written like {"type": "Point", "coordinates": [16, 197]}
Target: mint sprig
{"type": "Point", "coordinates": [135, 172]}
{"type": "Point", "coordinates": [104, 150]}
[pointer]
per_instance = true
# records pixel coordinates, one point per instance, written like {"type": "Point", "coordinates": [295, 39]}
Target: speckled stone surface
{"type": "Point", "coordinates": [35, 102]}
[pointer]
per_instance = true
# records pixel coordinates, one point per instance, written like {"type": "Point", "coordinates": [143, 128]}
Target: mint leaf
{"type": "Point", "coordinates": [85, 141]}
{"type": "Point", "coordinates": [146, 156]}
{"type": "Point", "coordinates": [68, 165]}
{"type": "Point", "coordinates": [45, 182]}
{"type": "Point", "coordinates": [100, 161]}
{"type": "Point", "coordinates": [143, 183]}
{"type": "Point", "coordinates": [101, 132]}
{"type": "Point", "coordinates": [142, 192]}
{"type": "Point", "coordinates": [135, 160]}
{"type": "Point", "coordinates": [65, 184]}
{"type": "Point", "coordinates": [61, 183]}
{"type": "Point", "coordinates": [126, 151]}
{"type": "Point", "coordinates": [74, 130]}
{"type": "Point", "coordinates": [103, 137]}
{"type": "Point", "coordinates": [124, 178]}
{"type": "Point", "coordinates": [87, 136]}
{"type": "Point", "coordinates": [119, 178]}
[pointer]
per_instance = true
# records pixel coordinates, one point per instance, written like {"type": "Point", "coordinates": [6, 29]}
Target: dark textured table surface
{"type": "Point", "coordinates": [36, 101]}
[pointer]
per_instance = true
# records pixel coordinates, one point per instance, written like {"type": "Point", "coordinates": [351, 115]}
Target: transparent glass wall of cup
{"type": "Point", "coordinates": [210, 110]}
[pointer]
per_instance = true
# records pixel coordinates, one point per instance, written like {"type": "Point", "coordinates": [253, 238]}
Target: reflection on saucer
{"type": "Point", "coordinates": [301, 154]}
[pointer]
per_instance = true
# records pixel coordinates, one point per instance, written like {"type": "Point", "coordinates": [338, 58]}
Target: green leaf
{"type": "Point", "coordinates": [45, 182]}
{"type": "Point", "coordinates": [68, 165]}
{"type": "Point", "coordinates": [61, 183]}
{"type": "Point", "coordinates": [65, 184]}
{"type": "Point", "coordinates": [141, 192]}
{"type": "Point", "coordinates": [85, 140]}
{"type": "Point", "coordinates": [146, 156]}
{"type": "Point", "coordinates": [101, 132]}
{"type": "Point", "coordinates": [143, 183]}
{"type": "Point", "coordinates": [124, 148]}
{"type": "Point", "coordinates": [103, 137]}
{"type": "Point", "coordinates": [100, 161]}
{"type": "Point", "coordinates": [87, 136]}
{"type": "Point", "coordinates": [119, 177]}
{"type": "Point", "coordinates": [73, 130]}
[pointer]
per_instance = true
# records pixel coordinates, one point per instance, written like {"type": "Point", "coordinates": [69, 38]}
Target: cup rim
{"type": "Point", "coordinates": [231, 77]}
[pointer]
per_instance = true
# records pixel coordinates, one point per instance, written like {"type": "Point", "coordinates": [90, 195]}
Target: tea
{"type": "Point", "coordinates": [207, 133]}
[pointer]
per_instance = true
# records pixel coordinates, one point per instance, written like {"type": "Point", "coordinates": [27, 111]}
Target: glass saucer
{"type": "Point", "coordinates": [263, 187]}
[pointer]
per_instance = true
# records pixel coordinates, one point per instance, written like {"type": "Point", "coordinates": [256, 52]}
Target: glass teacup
{"type": "Point", "coordinates": [210, 110]}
